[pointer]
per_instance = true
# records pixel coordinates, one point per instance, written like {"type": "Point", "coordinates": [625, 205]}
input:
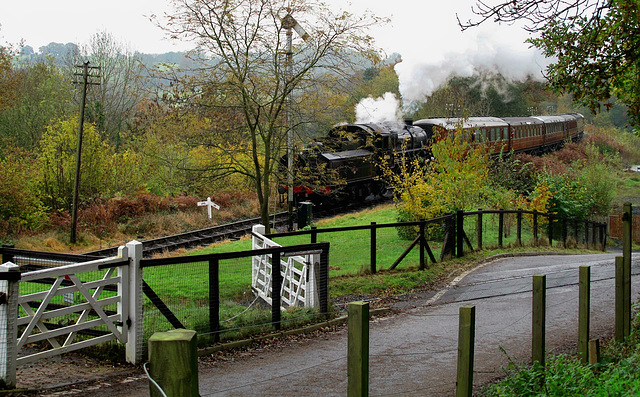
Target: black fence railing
{"type": "Point", "coordinates": [449, 234]}
{"type": "Point", "coordinates": [204, 292]}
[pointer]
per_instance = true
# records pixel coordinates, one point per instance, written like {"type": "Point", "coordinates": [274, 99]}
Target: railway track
{"type": "Point", "coordinates": [229, 231]}
{"type": "Point", "coordinates": [198, 238]}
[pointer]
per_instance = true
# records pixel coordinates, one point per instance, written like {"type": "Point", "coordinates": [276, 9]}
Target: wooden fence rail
{"type": "Point", "coordinates": [456, 237]}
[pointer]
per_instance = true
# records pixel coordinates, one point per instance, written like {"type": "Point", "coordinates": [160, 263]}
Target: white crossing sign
{"type": "Point", "coordinates": [208, 204]}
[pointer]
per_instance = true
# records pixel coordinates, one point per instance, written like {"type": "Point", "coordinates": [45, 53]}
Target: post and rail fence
{"type": "Point", "coordinates": [122, 299]}
{"type": "Point", "coordinates": [543, 229]}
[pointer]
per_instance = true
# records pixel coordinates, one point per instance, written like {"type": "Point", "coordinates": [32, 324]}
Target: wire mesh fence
{"type": "Point", "coordinates": [216, 295]}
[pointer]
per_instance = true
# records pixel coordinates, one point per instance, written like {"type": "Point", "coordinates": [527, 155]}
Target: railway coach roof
{"type": "Point", "coordinates": [522, 120]}
{"type": "Point", "coordinates": [454, 123]}
{"type": "Point", "coordinates": [550, 119]}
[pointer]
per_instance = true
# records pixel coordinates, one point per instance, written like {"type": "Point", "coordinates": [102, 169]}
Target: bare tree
{"type": "Point", "coordinates": [243, 49]}
{"type": "Point", "coordinates": [113, 100]}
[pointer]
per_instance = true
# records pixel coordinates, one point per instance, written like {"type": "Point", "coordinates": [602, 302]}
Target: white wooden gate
{"type": "Point", "coordinates": [299, 276]}
{"type": "Point", "coordinates": [72, 299]}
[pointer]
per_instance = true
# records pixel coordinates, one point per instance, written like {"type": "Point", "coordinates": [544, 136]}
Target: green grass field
{"type": "Point", "coordinates": [184, 287]}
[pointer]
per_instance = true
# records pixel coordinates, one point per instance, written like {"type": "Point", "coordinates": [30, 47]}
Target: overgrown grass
{"type": "Point", "coordinates": [617, 374]}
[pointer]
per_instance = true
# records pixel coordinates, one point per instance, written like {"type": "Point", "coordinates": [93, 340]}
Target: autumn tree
{"type": "Point", "coordinates": [596, 45]}
{"type": "Point", "coordinates": [243, 49]}
{"type": "Point", "coordinates": [102, 169]}
{"type": "Point", "coordinates": [8, 79]}
{"type": "Point", "coordinates": [455, 179]}
{"type": "Point", "coordinates": [42, 94]}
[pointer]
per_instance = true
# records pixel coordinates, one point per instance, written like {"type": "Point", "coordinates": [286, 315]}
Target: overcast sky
{"type": "Point", "coordinates": [425, 33]}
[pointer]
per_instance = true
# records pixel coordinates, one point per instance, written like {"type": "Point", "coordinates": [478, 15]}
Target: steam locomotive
{"type": "Point", "coordinates": [351, 153]}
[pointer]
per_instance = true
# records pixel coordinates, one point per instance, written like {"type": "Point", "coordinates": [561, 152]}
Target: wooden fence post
{"type": "Point", "coordinates": [535, 227]}
{"type": "Point", "coordinates": [619, 299]}
{"type": "Point", "coordinates": [314, 234]}
{"type": "Point", "coordinates": [584, 312]}
{"type": "Point", "coordinates": [358, 349]}
{"type": "Point", "coordinates": [519, 228]}
{"type": "Point", "coordinates": [9, 293]}
{"type": "Point", "coordinates": [466, 340]}
{"type": "Point", "coordinates": [538, 318]}
{"type": "Point", "coordinates": [423, 245]}
{"type": "Point", "coordinates": [460, 233]}
{"type": "Point", "coordinates": [627, 240]}
{"type": "Point", "coordinates": [276, 285]}
{"type": "Point", "coordinates": [214, 298]}
{"type": "Point", "coordinates": [586, 234]}
{"type": "Point", "coordinates": [622, 299]}
{"type": "Point", "coordinates": [500, 227]}
{"type": "Point", "coordinates": [173, 360]}
{"type": "Point", "coordinates": [323, 278]}
{"type": "Point", "coordinates": [594, 351]}
{"type": "Point", "coordinates": [479, 229]}
{"type": "Point", "coordinates": [373, 244]}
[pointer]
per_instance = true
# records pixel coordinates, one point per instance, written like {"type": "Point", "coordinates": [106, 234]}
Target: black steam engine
{"type": "Point", "coordinates": [344, 166]}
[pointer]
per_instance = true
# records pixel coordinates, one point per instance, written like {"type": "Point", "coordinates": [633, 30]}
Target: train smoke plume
{"type": "Point", "coordinates": [375, 110]}
{"type": "Point", "coordinates": [419, 79]}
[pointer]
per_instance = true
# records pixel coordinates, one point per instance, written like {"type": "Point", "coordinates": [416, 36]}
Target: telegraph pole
{"type": "Point", "coordinates": [290, 24]}
{"type": "Point", "coordinates": [76, 185]}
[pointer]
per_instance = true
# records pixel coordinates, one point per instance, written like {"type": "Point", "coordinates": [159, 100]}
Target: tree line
{"type": "Point", "coordinates": [215, 119]}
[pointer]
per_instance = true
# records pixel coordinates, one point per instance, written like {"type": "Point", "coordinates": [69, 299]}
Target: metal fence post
{"type": "Point", "coordinates": [135, 347]}
{"type": "Point", "coordinates": [9, 290]}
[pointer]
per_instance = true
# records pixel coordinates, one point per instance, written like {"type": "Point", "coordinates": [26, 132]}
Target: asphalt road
{"type": "Point", "coordinates": [414, 353]}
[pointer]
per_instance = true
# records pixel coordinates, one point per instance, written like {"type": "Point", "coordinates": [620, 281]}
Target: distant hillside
{"type": "Point", "coordinates": [60, 53]}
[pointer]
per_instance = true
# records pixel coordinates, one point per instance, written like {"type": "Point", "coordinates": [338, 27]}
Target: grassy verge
{"type": "Point", "coordinates": [617, 374]}
{"type": "Point", "coordinates": [184, 287]}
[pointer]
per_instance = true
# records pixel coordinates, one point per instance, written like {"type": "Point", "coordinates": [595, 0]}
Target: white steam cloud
{"type": "Point", "coordinates": [418, 80]}
{"type": "Point", "coordinates": [375, 110]}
